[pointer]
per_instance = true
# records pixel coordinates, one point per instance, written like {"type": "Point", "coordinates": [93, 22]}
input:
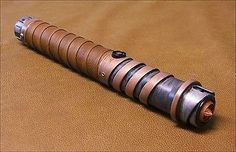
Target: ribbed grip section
{"type": "Point", "coordinates": [67, 48]}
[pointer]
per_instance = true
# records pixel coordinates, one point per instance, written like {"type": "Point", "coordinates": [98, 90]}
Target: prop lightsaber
{"type": "Point", "coordinates": [186, 101]}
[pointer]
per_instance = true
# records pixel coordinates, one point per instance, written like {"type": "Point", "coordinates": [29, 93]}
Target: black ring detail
{"type": "Point", "coordinates": [142, 82]}
{"type": "Point", "coordinates": [116, 69]}
{"type": "Point", "coordinates": [128, 75]}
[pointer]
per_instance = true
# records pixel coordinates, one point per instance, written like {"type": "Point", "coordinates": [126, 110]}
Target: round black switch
{"type": "Point", "coordinates": [118, 54]}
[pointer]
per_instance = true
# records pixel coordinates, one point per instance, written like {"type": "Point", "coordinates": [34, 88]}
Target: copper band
{"type": "Point", "coordinates": [93, 60]}
{"type": "Point", "coordinates": [73, 50]}
{"type": "Point", "coordinates": [30, 31]}
{"type": "Point", "coordinates": [37, 35]}
{"type": "Point", "coordinates": [55, 41]}
{"type": "Point", "coordinates": [93, 49]}
{"type": "Point", "coordinates": [45, 38]}
{"type": "Point", "coordinates": [149, 86]}
{"type": "Point", "coordinates": [63, 47]}
{"type": "Point", "coordinates": [178, 95]}
{"type": "Point", "coordinates": [121, 73]}
{"type": "Point", "coordinates": [106, 64]}
{"type": "Point", "coordinates": [26, 27]}
{"type": "Point", "coordinates": [82, 55]}
{"type": "Point", "coordinates": [130, 86]}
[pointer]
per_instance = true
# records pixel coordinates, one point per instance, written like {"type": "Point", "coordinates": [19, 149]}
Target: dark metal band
{"type": "Point", "coordinates": [148, 87]}
{"type": "Point", "coordinates": [178, 95]}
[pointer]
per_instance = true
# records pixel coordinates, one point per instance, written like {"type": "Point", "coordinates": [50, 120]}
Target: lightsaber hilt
{"type": "Point", "coordinates": [187, 102]}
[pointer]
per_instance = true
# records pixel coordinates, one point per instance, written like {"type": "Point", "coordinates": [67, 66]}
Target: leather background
{"type": "Point", "coordinates": [45, 106]}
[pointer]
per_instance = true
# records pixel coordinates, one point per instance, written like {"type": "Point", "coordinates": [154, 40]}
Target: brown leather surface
{"type": "Point", "coordinates": [47, 107]}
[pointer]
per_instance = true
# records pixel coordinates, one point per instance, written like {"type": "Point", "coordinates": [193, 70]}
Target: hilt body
{"type": "Point", "coordinates": [186, 102]}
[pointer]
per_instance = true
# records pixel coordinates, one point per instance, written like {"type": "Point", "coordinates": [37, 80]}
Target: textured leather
{"type": "Point", "coordinates": [47, 107]}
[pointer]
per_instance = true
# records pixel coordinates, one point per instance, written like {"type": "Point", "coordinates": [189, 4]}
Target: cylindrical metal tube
{"type": "Point", "coordinates": [186, 102]}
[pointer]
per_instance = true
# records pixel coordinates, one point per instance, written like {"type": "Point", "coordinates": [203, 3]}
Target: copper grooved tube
{"type": "Point", "coordinates": [187, 102]}
{"type": "Point", "coordinates": [122, 72]}
{"type": "Point", "coordinates": [72, 51]}
{"type": "Point", "coordinates": [63, 47]}
{"type": "Point", "coordinates": [93, 60]}
{"type": "Point", "coordinates": [45, 38]}
{"type": "Point", "coordinates": [82, 55]}
{"type": "Point", "coordinates": [55, 41]}
{"type": "Point", "coordinates": [130, 86]}
{"type": "Point", "coordinates": [37, 36]}
{"type": "Point", "coordinates": [30, 30]}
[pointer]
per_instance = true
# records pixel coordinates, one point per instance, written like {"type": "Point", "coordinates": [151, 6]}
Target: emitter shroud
{"type": "Point", "coordinates": [187, 102]}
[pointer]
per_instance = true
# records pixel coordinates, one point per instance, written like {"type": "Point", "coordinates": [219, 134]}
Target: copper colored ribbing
{"type": "Point", "coordinates": [82, 55]}
{"type": "Point", "coordinates": [178, 95]}
{"type": "Point", "coordinates": [63, 47]}
{"type": "Point", "coordinates": [87, 56]}
{"type": "Point", "coordinates": [45, 38]}
{"type": "Point", "coordinates": [93, 60]}
{"type": "Point", "coordinates": [73, 50]}
{"type": "Point", "coordinates": [30, 31]}
{"type": "Point", "coordinates": [37, 35]}
{"type": "Point", "coordinates": [106, 64]}
{"type": "Point", "coordinates": [25, 28]}
{"type": "Point", "coordinates": [55, 41]}
{"type": "Point", "coordinates": [149, 86]}
{"type": "Point", "coordinates": [122, 72]}
{"type": "Point", "coordinates": [130, 86]}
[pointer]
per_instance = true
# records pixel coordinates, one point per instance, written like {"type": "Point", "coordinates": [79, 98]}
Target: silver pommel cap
{"type": "Point", "coordinates": [20, 27]}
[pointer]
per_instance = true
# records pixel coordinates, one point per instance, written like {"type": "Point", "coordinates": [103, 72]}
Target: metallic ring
{"type": "Point", "coordinates": [179, 94]}
{"type": "Point", "coordinates": [136, 77]}
{"type": "Point", "coordinates": [149, 86]}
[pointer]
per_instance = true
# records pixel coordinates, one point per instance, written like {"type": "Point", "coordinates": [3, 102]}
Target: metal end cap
{"type": "Point", "coordinates": [19, 26]}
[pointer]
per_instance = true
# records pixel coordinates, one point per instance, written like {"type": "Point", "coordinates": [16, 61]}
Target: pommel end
{"type": "Point", "coordinates": [207, 111]}
{"type": "Point", "coordinates": [20, 27]}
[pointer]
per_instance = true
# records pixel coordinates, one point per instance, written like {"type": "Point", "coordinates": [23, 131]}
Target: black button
{"type": "Point", "coordinates": [118, 54]}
